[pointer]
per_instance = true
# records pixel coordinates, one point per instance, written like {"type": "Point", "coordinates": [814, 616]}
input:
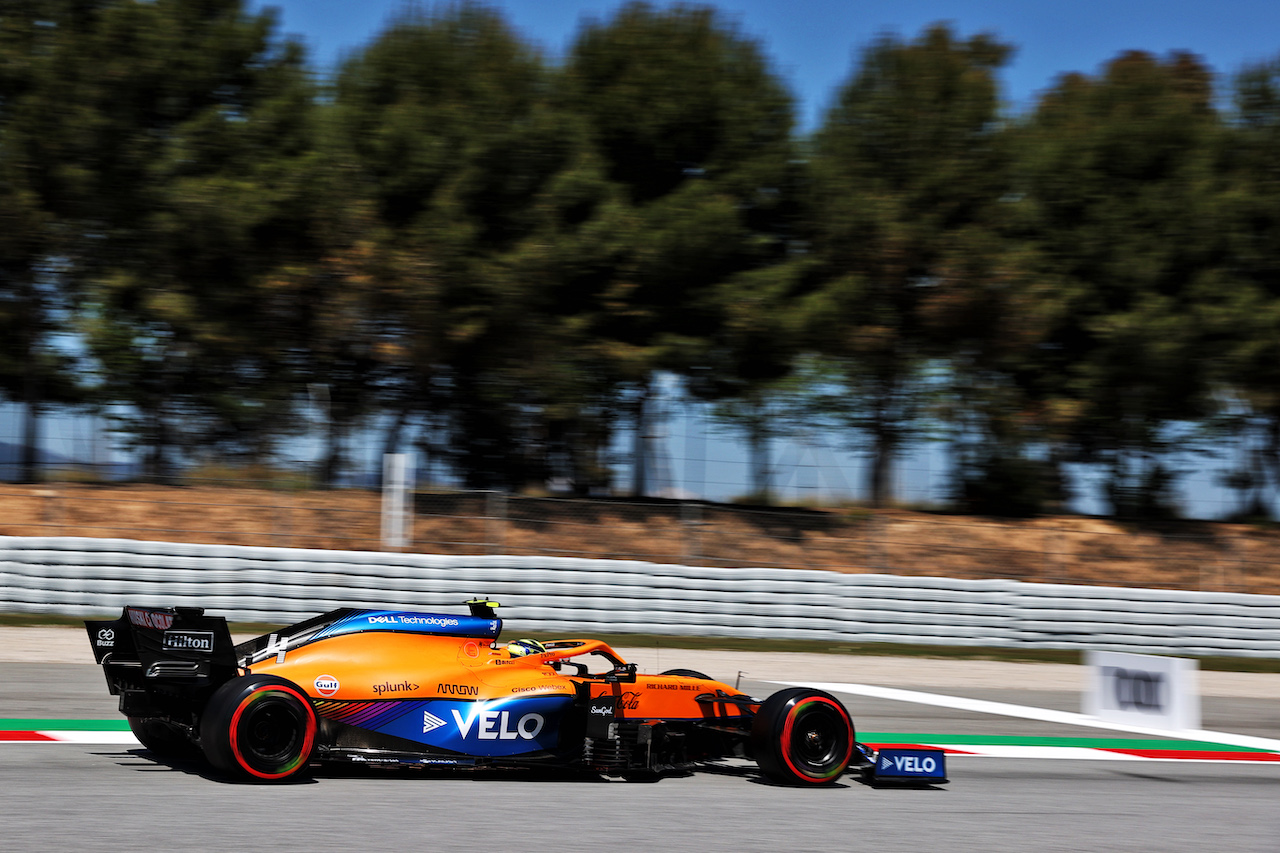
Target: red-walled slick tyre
{"type": "Point", "coordinates": [259, 727]}
{"type": "Point", "coordinates": [802, 737]}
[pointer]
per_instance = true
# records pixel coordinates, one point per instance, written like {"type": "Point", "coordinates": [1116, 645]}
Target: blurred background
{"type": "Point", "coordinates": [635, 263]}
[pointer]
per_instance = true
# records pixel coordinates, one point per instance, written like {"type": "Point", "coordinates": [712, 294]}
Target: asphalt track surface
{"type": "Point", "coordinates": [79, 797]}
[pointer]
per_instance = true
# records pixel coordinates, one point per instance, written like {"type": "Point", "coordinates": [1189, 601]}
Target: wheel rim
{"type": "Point", "coordinates": [271, 732]}
{"type": "Point", "coordinates": [816, 740]}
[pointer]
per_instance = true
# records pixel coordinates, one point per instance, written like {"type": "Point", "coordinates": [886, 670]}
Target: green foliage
{"type": "Point", "coordinates": [200, 141]}
{"type": "Point", "coordinates": [1122, 181]}
{"type": "Point", "coordinates": [689, 134]}
{"type": "Point", "coordinates": [1245, 318]}
{"type": "Point", "coordinates": [910, 163]}
{"type": "Point", "coordinates": [447, 123]}
{"type": "Point", "coordinates": [693, 130]}
{"type": "Point", "coordinates": [41, 185]}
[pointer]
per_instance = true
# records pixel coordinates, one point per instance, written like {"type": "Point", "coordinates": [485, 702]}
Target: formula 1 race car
{"type": "Point", "coordinates": [400, 688]}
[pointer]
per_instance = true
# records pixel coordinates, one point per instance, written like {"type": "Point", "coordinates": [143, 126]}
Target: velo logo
{"type": "Point", "coordinates": [430, 722]}
{"type": "Point", "coordinates": [496, 725]}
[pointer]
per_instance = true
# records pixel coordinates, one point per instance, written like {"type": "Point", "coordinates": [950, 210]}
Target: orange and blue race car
{"type": "Point", "coordinates": [403, 688]}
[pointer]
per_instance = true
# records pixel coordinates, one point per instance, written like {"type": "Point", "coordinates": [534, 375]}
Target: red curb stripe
{"type": "Point", "coordinates": [25, 736]}
{"type": "Point", "coordinates": [1203, 755]}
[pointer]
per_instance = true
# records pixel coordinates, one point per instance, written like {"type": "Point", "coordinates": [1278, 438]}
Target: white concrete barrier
{"type": "Point", "coordinates": [82, 577]}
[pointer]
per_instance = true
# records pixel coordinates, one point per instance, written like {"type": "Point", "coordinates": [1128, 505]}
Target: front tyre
{"type": "Point", "coordinates": [259, 727]}
{"type": "Point", "coordinates": [802, 737]}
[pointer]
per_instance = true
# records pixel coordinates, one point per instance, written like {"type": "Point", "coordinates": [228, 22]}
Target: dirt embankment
{"type": "Point", "coordinates": [1065, 549]}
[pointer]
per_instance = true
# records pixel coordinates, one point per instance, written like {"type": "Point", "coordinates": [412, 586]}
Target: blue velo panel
{"type": "Point", "coordinates": [911, 765]}
{"type": "Point", "coordinates": [502, 727]}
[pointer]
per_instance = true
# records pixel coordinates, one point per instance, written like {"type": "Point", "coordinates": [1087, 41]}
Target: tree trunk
{"type": "Point", "coordinates": [1272, 460]}
{"type": "Point", "coordinates": [332, 461]}
{"type": "Point", "coordinates": [639, 482]}
{"type": "Point", "coordinates": [156, 465]}
{"type": "Point", "coordinates": [392, 438]}
{"type": "Point", "coordinates": [758, 450]}
{"type": "Point", "coordinates": [29, 471]}
{"type": "Point", "coordinates": [884, 447]}
{"type": "Point", "coordinates": [880, 477]}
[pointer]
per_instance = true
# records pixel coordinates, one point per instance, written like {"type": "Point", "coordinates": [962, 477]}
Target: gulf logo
{"type": "Point", "coordinates": [326, 685]}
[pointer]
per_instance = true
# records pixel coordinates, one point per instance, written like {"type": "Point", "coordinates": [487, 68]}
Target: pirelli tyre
{"type": "Point", "coordinates": [164, 740]}
{"type": "Point", "coordinates": [259, 727]}
{"type": "Point", "coordinates": [802, 737]}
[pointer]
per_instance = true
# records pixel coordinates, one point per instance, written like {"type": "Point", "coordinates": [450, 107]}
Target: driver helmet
{"type": "Point", "coordinates": [520, 648]}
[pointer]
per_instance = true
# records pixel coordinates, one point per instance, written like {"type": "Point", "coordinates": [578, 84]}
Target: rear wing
{"type": "Point", "coordinates": [163, 644]}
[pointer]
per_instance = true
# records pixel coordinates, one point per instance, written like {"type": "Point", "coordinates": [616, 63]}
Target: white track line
{"type": "Point", "coordinates": [65, 736]}
{"type": "Point", "coordinates": [1057, 753]}
{"type": "Point", "coordinates": [1027, 712]}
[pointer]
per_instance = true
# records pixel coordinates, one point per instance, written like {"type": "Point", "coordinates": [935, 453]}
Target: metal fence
{"type": "Point", "coordinates": [1065, 549]}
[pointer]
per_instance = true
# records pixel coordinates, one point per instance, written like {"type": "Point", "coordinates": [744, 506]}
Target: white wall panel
{"type": "Point", "coordinates": [86, 577]}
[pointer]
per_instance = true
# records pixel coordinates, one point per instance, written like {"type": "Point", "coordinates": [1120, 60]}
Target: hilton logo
{"type": "Point", "coordinates": [189, 641]}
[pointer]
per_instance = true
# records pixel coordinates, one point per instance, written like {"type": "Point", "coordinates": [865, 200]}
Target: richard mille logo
{"type": "Point", "coordinates": [430, 722]}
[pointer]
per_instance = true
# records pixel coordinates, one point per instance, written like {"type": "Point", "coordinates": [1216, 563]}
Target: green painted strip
{"type": "Point", "coordinates": [122, 725]}
{"type": "Point", "coordinates": [1085, 742]}
{"type": "Point", "coordinates": [35, 725]}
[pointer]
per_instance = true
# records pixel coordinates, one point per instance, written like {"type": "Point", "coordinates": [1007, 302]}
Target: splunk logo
{"type": "Point", "coordinates": [394, 687]}
{"type": "Point", "coordinates": [497, 725]}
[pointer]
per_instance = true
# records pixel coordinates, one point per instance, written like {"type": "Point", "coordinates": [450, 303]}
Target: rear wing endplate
{"type": "Point", "coordinates": [165, 643]}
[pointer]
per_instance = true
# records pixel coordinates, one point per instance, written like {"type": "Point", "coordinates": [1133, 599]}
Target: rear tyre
{"type": "Point", "coordinates": [165, 741]}
{"type": "Point", "coordinates": [802, 737]}
{"type": "Point", "coordinates": [688, 673]}
{"type": "Point", "coordinates": [260, 728]}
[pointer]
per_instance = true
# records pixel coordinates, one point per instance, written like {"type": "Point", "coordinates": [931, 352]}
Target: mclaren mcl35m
{"type": "Point", "coordinates": [389, 687]}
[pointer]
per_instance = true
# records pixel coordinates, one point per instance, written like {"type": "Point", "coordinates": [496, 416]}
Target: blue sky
{"type": "Point", "coordinates": [813, 43]}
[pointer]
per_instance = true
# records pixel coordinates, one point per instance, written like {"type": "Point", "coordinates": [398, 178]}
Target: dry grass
{"type": "Point", "coordinates": [1066, 549]}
